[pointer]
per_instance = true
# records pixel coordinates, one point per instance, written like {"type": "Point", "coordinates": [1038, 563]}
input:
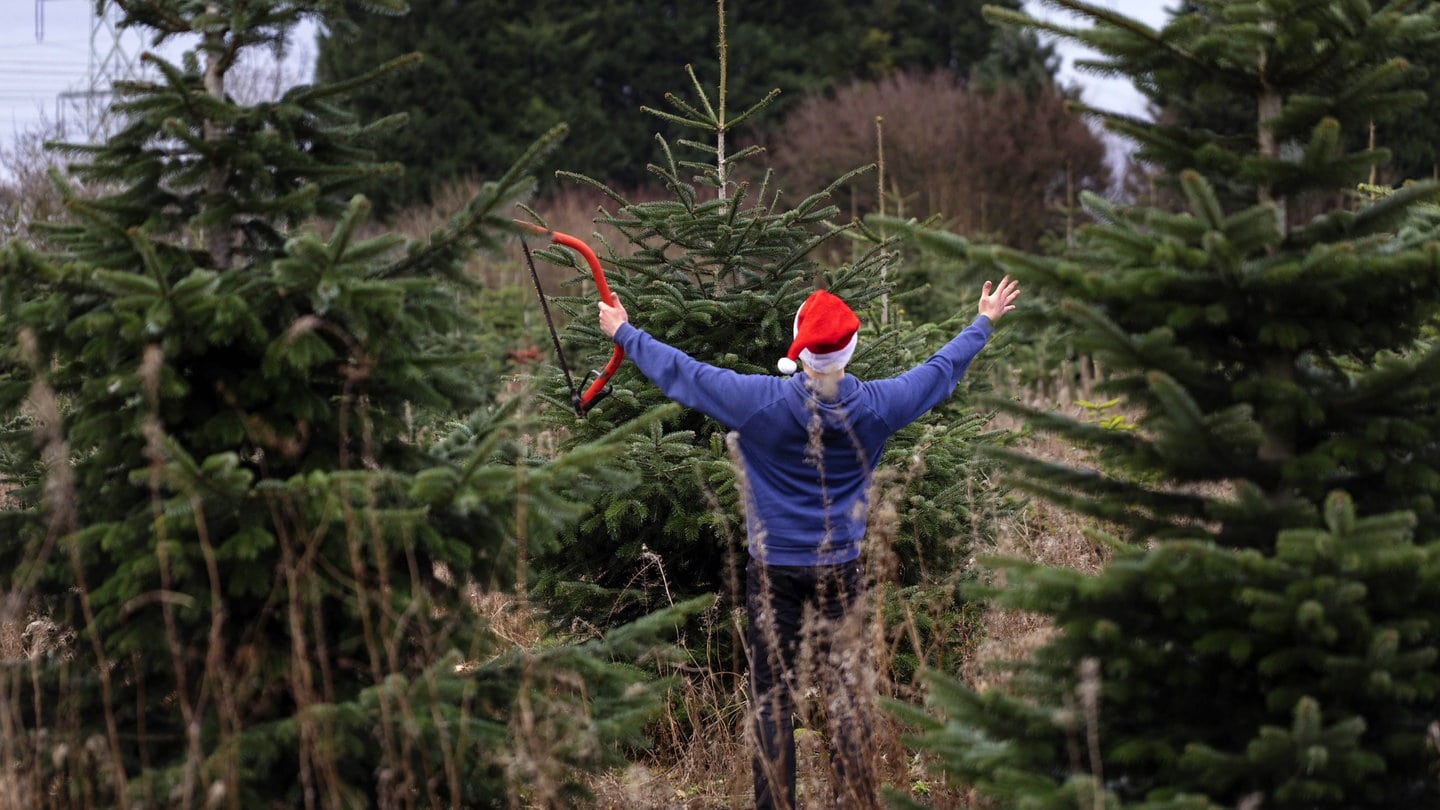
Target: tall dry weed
{"type": "Point", "coordinates": [27, 194]}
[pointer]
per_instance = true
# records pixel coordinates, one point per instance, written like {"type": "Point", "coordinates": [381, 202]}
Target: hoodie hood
{"type": "Point", "coordinates": [835, 413]}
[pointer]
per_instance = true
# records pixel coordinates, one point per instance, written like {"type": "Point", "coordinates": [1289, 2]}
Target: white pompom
{"type": "Point", "coordinates": [787, 366]}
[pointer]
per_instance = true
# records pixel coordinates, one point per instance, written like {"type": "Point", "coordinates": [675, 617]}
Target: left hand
{"type": "Point", "coordinates": [994, 304]}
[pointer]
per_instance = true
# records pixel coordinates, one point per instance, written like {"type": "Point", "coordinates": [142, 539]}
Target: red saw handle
{"type": "Point", "coordinates": [596, 390]}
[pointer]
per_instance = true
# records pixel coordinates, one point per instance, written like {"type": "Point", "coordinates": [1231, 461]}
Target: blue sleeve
{"type": "Point", "coordinates": [726, 396]}
{"type": "Point", "coordinates": [903, 399]}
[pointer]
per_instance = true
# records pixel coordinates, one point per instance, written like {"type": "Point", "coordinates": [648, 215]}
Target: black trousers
{"type": "Point", "coordinates": [807, 627]}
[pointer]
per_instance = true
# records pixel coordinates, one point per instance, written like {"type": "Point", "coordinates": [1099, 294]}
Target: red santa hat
{"type": "Point", "coordinates": [825, 334]}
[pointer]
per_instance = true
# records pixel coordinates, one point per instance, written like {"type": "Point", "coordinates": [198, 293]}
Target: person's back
{"type": "Point", "coordinates": [809, 452]}
{"type": "Point", "coordinates": [808, 445]}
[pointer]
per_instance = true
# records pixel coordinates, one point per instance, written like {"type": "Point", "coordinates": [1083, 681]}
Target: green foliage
{"type": "Point", "coordinates": [593, 65]}
{"type": "Point", "coordinates": [1407, 133]}
{"type": "Point", "coordinates": [940, 276]}
{"type": "Point", "coordinates": [1102, 413]}
{"type": "Point", "coordinates": [930, 627]}
{"type": "Point", "coordinates": [259, 576]}
{"type": "Point", "coordinates": [1316, 660]}
{"type": "Point", "coordinates": [1266, 632]}
{"type": "Point", "coordinates": [1360, 74]}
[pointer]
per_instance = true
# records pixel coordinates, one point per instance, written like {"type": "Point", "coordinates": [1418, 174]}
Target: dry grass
{"type": "Point", "coordinates": [708, 766]}
{"type": "Point", "coordinates": [12, 630]}
{"type": "Point", "coordinates": [1040, 533]}
{"type": "Point", "coordinates": [702, 755]}
{"type": "Point", "coordinates": [508, 616]}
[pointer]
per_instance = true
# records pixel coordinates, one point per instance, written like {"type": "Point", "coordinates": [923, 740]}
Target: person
{"type": "Point", "coordinates": [807, 445]}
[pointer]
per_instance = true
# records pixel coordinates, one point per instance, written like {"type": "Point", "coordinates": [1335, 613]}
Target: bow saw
{"type": "Point", "coordinates": [597, 389]}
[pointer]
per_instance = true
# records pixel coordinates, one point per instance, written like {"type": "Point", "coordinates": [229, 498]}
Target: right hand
{"type": "Point", "coordinates": [612, 316]}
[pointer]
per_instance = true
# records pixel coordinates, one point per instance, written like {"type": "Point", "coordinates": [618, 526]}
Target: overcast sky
{"type": "Point", "coordinates": [46, 60]}
{"type": "Point", "coordinates": [1105, 93]}
{"type": "Point", "coordinates": [45, 52]}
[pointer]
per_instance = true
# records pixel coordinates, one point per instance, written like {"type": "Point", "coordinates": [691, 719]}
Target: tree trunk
{"type": "Point", "coordinates": [217, 237]}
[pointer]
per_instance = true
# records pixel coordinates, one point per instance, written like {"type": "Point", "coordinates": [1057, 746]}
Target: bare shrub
{"type": "Point", "coordinates": [27, 195]}
{"type": "Point", "coordinates": [991, 162]}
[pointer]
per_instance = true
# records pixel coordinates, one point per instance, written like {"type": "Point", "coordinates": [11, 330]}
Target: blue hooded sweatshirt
{"type": "Point", "coordinates": [806, 461]}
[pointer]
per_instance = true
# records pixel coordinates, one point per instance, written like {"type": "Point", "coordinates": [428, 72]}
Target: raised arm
{"type": "Point", "coordinates": [724, 395]}
{"type": "Point", "coordinates": [911, 394]}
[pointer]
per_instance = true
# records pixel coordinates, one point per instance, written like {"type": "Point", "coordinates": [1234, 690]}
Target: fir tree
{"type": "Point", "coordinates": [1409, 135]}
{"type": "Point", "coordinates": [1266, 633]}
{"type": "Point", "coordinates": [252, 485]}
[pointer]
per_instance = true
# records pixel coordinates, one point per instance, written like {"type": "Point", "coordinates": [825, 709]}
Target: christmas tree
{"type": "Point", "coordinates": [251, 489]}
{"type": "Point", "coordinates": [1265, 634]}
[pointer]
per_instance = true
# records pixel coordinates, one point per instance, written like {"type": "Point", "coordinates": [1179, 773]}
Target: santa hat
{"type": "Point", "coordinates": [825, 333]}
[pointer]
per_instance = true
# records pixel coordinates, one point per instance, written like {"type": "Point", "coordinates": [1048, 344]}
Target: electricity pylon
{"type": "Point", "coordinates": [87, 110]}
